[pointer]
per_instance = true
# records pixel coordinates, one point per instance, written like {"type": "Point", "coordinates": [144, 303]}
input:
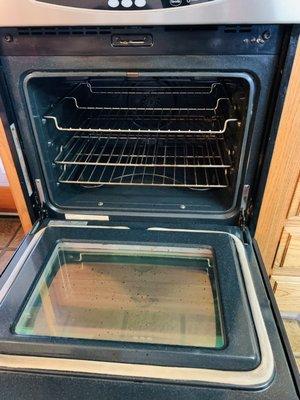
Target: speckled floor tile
{"type": "Point", "coordinates": [5, 257]}
{"type": "Point", "coordinates": [13, 245]}
{"type": "Point", "coordinates": [11, 234]}
{"type": "Point", "coordinates": [8, 229]}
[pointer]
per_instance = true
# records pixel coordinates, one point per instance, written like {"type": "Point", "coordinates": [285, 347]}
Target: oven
{"type": "Point", "coordinates": [140, 150]}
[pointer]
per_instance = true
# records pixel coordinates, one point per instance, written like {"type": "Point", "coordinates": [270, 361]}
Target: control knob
{"type": "Point", "coordinates": [140, 3]}
{"type": "Point", "coordinates": [113, 3]}
{"type": "Point", "coordinates": [175, 3]}
{"type": "Point", "coordinates": [126, 3]}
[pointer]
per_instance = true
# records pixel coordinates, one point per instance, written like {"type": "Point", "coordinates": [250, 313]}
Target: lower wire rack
{"type": "Point", "coordinates": [151, 152]}
{"type": "Point", "coordinates": [146, 176]}
{"type": "Point", "coordinates": [201, 162]}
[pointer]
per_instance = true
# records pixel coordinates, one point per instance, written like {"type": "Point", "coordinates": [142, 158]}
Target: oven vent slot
{"type": "Point", "coordinates": [100, 30]}
{"type": "Point", "coordinates": [66, 31]}
{"type": "Point", "coordinates": [212, 28]}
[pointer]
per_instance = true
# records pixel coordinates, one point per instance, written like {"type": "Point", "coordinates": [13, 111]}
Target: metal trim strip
{"type": "Point", "coordinates": [17, 13]}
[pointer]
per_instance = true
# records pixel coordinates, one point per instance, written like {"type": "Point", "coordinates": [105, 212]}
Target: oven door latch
{"type": "Point", "coordinates": [245, 209]}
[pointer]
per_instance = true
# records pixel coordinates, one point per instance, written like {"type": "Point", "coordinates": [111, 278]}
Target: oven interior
{"type": "Point", "coordinates": [141, 141]}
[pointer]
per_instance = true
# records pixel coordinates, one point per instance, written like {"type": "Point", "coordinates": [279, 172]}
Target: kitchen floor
{"type": "Point", "coordinates": [292, 327]}
{"type": "Point", "coordinates": [11, 235]}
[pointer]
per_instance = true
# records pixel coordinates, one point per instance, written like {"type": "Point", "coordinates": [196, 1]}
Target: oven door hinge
{"type": "Point", "coordinates": [246, 207]}
{"type": "Point", "coordinates": [40, 198]}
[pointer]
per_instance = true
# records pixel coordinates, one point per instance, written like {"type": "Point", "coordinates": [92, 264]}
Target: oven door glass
{"type": "Point", "coordinates": [128, 294]}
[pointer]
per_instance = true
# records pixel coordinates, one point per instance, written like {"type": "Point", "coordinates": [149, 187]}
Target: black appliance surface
{"type": "Point", "coordinates": [75, 98]}
{"type": "Point", "coordinates": [217, 203]}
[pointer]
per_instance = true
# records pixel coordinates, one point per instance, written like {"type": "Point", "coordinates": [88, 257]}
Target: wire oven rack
{"type": "Point", "coordinates": [110, 160]}
{"type": "Point", "coordinates": [208, 88]}
{"type": "Point", "coordinates": [145, 176]}
{"type": "Point", "coordinates": [164, 110]}
{"type": "Point", "coordinates": [145, 135]}
{"type": "Point", "coordinates": [209, 152]}
{"type": "Point", "coordinates": [87, 95]}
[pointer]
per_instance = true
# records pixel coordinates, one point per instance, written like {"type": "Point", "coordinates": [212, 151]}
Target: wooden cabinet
{"type": "Point", "coordinates": [286, 268]}
{"type": "Point", "coordinates": [287, 258]}
{"type": "Point", "coordinates": [288, 252]}
{"type": "Point", "coordinates": [287, 292]}
{"type": "Point", "coordinates": [278, 228]}
{"type": "Point", "coordinates": [7, 203]}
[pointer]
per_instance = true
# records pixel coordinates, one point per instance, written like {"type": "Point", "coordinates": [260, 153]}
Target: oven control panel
{"type": "Point", "coordinates": [123, 4]}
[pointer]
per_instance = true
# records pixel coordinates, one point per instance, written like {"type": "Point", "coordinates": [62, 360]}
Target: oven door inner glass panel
{"type": "Point", "coordinates": [126, 294]}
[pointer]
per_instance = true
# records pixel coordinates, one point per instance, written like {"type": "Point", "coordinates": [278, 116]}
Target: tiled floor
{"type": "Point", "coordinates": [11, 234]}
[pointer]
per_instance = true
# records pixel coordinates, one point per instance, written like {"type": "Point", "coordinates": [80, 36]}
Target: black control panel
{"type": "Point", "coordinates": [123, 4]}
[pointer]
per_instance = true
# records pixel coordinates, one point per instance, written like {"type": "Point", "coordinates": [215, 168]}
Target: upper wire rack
{"type": "Point", "coordinates": [164, 110]}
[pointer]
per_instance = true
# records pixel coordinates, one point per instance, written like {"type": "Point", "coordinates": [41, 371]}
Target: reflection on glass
{"type": "Point", "coordinates": [126, 293]}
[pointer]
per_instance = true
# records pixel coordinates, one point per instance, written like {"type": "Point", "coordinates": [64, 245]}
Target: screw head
{"type": "Point", "coordinates": [100, 204]}
{"type": "Point", "coordinates": [266, 35]}
{"type": "Point", "coordinates": [260, 40]}
{"type": "Point", "coordinates": [182, 206]}
{"type": "Point", "coordinates": [8, 38]}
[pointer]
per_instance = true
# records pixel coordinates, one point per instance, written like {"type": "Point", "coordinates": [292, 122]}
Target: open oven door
{"type": "Point", "coordinates": [141, 310]}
